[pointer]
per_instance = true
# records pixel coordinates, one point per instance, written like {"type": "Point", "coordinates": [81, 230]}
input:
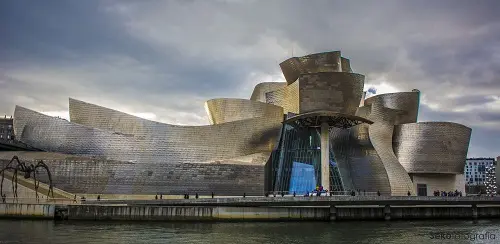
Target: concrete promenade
{"type": "Point", "coordinates": [333, 208]}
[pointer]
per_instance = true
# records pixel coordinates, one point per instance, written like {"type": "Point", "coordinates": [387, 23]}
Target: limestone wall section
{"type": "Point", "coordinates": [81, 175]}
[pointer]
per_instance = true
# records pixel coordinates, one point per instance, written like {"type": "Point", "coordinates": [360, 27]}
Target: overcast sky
{"type": "Point", "coordinates": [162, 59]}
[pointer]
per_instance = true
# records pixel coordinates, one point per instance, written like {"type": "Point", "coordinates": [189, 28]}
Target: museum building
{"type": "Point", "coordinates": [315, 129]}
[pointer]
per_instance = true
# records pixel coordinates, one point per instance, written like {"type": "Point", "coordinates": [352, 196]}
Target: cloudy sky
{"type": "Point", "coordinates": [162, 59]}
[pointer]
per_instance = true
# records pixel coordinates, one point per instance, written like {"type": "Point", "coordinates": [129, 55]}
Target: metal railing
{"type": "Point", "coordinates": [321, 193]}
{"type": "Point", "coordinates": [41, 200]}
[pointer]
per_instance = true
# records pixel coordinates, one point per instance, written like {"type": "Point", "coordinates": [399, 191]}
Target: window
{"type": "Point", "coordinates": [481, 168]}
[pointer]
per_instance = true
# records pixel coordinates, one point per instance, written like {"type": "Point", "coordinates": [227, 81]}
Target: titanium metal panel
{"type": "Point", "coordinates": [359, 164]}
{"type": "Point", "coordinates": [292, 68]}
{"type": "Point", "coordinates": [334, 91]}
{"type": "Point", "coordinates": [287, 97]}
{"type": "Point", "coordinates": [380, 133]}
{"type": "Point", "coordinates": [346, 65]}
{"type": "Point", "coordinates": [404, 101]}
{"type": "Point", "coordinates": [124, 137]}
{"type": "Point", "coordinates": [223, 110]}
{"type": "Point", "coordinates": [432, 147]}
{"type": "Point", "coordinates": [260, 90]}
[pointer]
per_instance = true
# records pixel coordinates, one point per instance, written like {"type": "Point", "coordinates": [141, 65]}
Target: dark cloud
{"type": "Point", "coordinates": [167, 57]}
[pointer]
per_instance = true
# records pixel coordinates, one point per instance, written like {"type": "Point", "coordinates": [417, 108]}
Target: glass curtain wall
{"type": "Point", "coordinates": [296, 164]}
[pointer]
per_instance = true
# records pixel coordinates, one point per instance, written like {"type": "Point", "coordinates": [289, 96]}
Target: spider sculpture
{"type": "Point", "coordinates": [27, 171]}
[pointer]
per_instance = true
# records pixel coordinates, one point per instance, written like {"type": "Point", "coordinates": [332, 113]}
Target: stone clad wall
{"type": "Point", "coordinates": [99, 176]}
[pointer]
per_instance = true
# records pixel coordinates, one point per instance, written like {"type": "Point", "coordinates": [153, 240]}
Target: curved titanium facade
{"type": "Point", "coordinates": [359, 164]}
{"type": "Point", "coordinates": [335, 91]}
{"type": "Point", "coordinates": [260, 90]}
{"type": "Point", "coordinates": [292, 68]}
{"type": "Point", "coordinates": [124, 137]}
{"type": "Point", "coordinates": [223, 110]}
{"type": "Point", "coordinates": [380, 133]}
{"type": "Point", "coordinates": [346, 65]}
{"type": "Point", "coordinates": [432, 147]}
{"type": "Point", "coordinates": [407, 102]}
{"type": "Point", "coordinates": [286, 97]}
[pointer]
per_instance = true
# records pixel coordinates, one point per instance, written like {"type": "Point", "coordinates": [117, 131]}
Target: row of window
{"type": "Point", "coordinates": [478, 163]}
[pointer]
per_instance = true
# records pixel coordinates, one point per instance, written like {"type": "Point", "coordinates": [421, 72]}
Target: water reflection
{"type": "Point", "coordinates": [22, 231]}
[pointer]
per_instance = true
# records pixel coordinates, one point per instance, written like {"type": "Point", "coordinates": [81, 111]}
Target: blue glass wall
{"type": "Point", "coordinates": [296, 164]}
{"type": "Point", "coordinates": [303, 178]}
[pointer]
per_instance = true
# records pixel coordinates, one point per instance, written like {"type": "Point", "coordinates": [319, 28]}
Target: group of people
{"type": "Point", "coordinates": [455, 193]}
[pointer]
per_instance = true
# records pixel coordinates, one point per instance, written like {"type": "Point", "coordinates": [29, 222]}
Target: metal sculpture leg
{"type": "Point", "coordinates": [27, 170]}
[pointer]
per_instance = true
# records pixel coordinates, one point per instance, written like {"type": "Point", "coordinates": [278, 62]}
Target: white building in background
{"type": "Point", "coordinates": [475, 170]}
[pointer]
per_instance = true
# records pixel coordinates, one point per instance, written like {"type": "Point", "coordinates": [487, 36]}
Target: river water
{"type": "Point", "coordinates": [23, 231]}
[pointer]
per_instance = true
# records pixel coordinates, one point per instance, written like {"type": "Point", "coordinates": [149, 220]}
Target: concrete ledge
{"type": "Point", "coordinates": [310, 201]}
{"type": "Point", "coordinates": [35, 211]}
{"type": "Point", "coordinates": [221, 213]}
{"type": "Point", "coordinates": [150, 213]}
{"type": "Point", "coordinates": [249, 213]}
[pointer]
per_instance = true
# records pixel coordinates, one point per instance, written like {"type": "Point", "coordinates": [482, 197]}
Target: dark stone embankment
{"type": "Point", "coordinates": [265, 209]}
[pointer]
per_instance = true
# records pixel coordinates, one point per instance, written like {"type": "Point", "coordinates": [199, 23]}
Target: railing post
{"type": "Point", "coordinates": [474, 212]}
{"type": "Point", "coordinates": [387, 212]}
{"type": "Point", "coordinates": [333, 213]}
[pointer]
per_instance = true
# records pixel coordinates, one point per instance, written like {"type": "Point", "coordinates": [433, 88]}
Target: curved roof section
{"type": "Point", "coordinates": [346, 65]}
{"type": "Point", "coordinates": [404, 101]}
{"type": "Point", "coordinates": [293, 67]}
{"type": "Point", "coordinates": [260, 90]}
{"type": "Point", "coordinates": [115, 135]}
{"type": "Point", "coordinates": [223, 110]}
{"type": "Point", "coordinates": [432, 147]}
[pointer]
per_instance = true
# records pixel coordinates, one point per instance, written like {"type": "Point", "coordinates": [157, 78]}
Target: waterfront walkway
{"type": "Point", "coordinates": [308, 201]}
